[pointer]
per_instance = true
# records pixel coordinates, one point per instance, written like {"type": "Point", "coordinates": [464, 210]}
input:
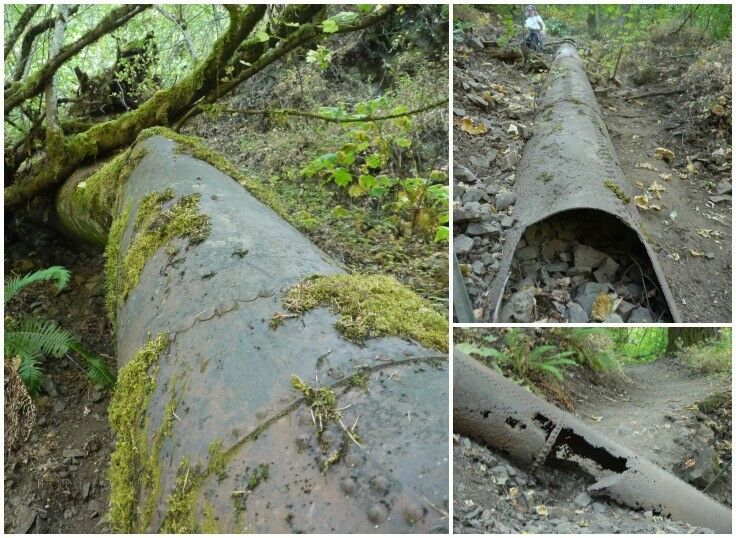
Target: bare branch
{"type": "Point", "coordinates": [20, 26]}
{"type": "Point", "coordinates": [18, 93]}
{"type": "Point", "coordinates": [190, 44]}
{"type": "Point", "coordinates": [52, 122]}
{"type": "Point", "coordinates": [331, 119]}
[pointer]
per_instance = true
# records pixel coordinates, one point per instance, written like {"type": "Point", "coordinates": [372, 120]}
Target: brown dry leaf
{"type": "Point", "coordinates": [675, 256]}
{"type": "Point", "coordinates": [466, 124]}
{"type": "Point", "coordinates": [656, 189]}
{"type": "Point", "coordinates": [690, 463]}
{"type": "Point", "coordinates": [665, 177]}
{"type": "Point", "coordinates": [583, 523]}
{"type": "Point", "coordinates": [603, 306]}
{"type": "Point", "coordinates": [696, 253]}
{"type": "Point", "coordinates": [640, 184]}
{"type": "Point", "coordinates": [596, 418]}
{"type": "Point", "coordinates": [665, 154]}
{"type": "Point", "coordinates": [541, 510]}
{"type": "Point", "coordinates": [691, 168]}
{"type": "Point", "coordinates": [641, 201]}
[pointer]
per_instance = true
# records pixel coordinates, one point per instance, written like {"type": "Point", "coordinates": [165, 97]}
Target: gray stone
{"type": "Point", "coordinates": [624, 308]}
{"type": "Point", "coordinates": [462, 244]}
{"type": "Point", "coordinates": [519, 307]}
{"type": "Point", "coordinates": [507, 222]}
{"type": "Point", "coordinates": [607, 271]}
{"type": "Point", "coordinates": [478, 100]}
{"type": "Point", "coordinates": [613, 318]}
{"type": "Point", "coordinates": [578, 270]}
{"type": "Point", "coordinates": [475, 43]}
{"type": "Point", "coordinates": [463, 173]}
{"type": "Point", "coordinates": [482, 228]}
{"type": "Point", "coordinates": [719, 199]}
{"type": "Point", "coordinates": [583, 499]}
{"type": "Point", "coordinates": [723, 188]}
{"type": "Point", "coordinates": [559, 267]}
{"type": "Point", "coordinates": [588, 293]}
{"type": "Point", "coordinates": [72, 453]}
{"type": "Point", "coordinates": [481, 161]}
{"type": "Point", "coordinates": [527, 253]}
{"type": "Point", "coordinates": [505, 199]}
{"type": "Point", "coordinates": [576, 314]}
{"type": "Point", "coordinates": [552, 247]}
{"type": "Point", "coordinates": [640, 315]}
{"type": "Point", "coordinates": [588, 257]}
{"type": "Point", "coordinates": [479, 268]}
{"type": "Point", "coordinates": [459, 111]}
{"type": "Point", "coordinates": [599, 508]}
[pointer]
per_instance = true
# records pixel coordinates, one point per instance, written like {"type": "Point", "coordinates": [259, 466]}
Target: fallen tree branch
{"type": "Point", "coordinates": [329, 119]}
{"type": "Point", "coordinates": [187, 38]}
{"type": "Point", "coordinates": [655, 93]}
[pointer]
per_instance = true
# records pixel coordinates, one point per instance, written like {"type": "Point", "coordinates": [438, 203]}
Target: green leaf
{"type": "Point", "coordinates": [330, 26]}
{"type": "Point", "coordinates": [368, 181]}
{"type": "Point", "coordinates": [261, 36]}
{"type": "Point", "coordinates": [342, 177]}
{"type": "Point", "coordinates": [373, 161]}
{"type": "Point", "coordinates": [56, 273]}
{"type": "Point", "coordinates": [442, 234]}
{"type": "Point", "coordinates": [402, 142]}
{"type": "Point", "coordinates": [339, 212]}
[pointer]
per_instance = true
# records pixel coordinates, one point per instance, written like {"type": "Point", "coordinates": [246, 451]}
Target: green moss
{"type": "Point", "coordinates": [113, 262]}
{"type": "Point", "coordinates": [544, 177]}
{"type": "Point", "coordinates": [156, 227]}
{"type": "Point", "coordinates": [218, 460]}
{"type": "Point", "coordinates": [359, 380]}
{"type": "Point", "coordinates": [615, 189]}
{"type": "Point", "coordinates": [127, 413]}
{"type": "Point", "coordinates": [258, 475]}
{"type": "Point", "coordinates": [180, 513]}
{"type": "Point", "coordinates": [371, 305]}
{"type": "Point", "coordinates": [322, 401]}
{"type": "Point", "coordinates": [209, 521]}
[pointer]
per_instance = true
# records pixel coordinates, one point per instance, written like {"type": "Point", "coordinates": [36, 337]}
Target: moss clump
{"type": "Point", "coordinates": [156, 227]}
{"type": "Point", "coordinates": [180, 513]}
{"type": "Point", "coordinates": [209, 520]}
{"type": "Point", "coordinates": [615, 189]}
{"type": "Point", "coordinates": [371, 305]}
{"type": "Point", "coordinates": [322, 402]}
{"type": "Point", "coordinates": [544, 177]}
{"type": "Point", "coordinates": [218, 460]}
{"type": "Point", "coordinates": [258, 475]}
{"type": "Point", "coordinates": [359, 380]}
{"type": "Point", "coordinates": [112, 261]}
{"type": "Point", "coordinates": [127, 412]}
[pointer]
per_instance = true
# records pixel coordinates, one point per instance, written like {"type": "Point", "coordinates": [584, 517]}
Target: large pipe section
{"type": "Point", "coordinates": [259, 420]}
{"type": "Point", "coordinates": [506, 417]}
{"type": "Point", "coordinates": [569, 163]}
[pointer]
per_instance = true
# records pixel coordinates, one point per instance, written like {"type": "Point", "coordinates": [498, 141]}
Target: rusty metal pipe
{"type": "Point", "coordinates": [500, 414]}
{"type": "Point", "coordinates": [570, 163]}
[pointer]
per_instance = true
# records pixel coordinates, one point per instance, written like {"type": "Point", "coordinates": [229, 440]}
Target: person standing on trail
{"type": "Point", "coordinates": [536, 27]}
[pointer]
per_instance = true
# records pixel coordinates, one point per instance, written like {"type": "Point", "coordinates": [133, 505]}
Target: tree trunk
{"type": "Point", "coordinates": [592, 22]}
{"type": "Point", "coordinates": [682, 337]}
{"type": "Point", "coordinates": [238, 410]}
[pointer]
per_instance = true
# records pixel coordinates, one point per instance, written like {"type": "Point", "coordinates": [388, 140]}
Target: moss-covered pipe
{"type": "Point", "coordinates": [253, 395]}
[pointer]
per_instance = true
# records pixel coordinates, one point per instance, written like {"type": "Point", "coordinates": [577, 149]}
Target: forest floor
{"type": "Point", "coordinates": [649, 408]}
{"type": "Point", "coordinates": [58, 481]}
{"type": "Point", "coordinates": [691, 233]}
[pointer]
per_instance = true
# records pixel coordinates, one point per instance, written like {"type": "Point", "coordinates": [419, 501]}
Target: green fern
{"type": "Point", "coordinates": [56, 273]}
{"type": "Point", "coordinates": [30, 339]}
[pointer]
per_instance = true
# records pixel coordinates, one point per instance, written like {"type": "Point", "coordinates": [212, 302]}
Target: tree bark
{"type": "Point", "coordinates": [20, 26]}
{"type": "Point", "coordinates": [682, 337]}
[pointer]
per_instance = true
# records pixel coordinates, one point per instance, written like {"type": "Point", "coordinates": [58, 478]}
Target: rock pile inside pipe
{"type": "Point", "coordinates": [582, 266]}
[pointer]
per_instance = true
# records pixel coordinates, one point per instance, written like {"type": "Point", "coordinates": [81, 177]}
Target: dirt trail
{"type": "Point", "coordinates": [648, 409]}
{"type": "Point", "coordinates": [701, 284]}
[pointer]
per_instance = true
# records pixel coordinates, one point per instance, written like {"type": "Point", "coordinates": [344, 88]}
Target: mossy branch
{"type": "Point", "coordinates": [330, 119]}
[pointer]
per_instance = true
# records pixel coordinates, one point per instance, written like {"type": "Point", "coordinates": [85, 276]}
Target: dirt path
{"type": "Point", "coordinates": [648, 410]}
{"type": "Point", "coordinates": [702, 285]}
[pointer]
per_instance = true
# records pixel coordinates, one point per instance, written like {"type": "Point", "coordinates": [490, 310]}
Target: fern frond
{"type": "Point", "coordinates": [549, 368]}
{"type": "Point", "coordinates": [486, 352]}
{"type": "Point", "coordinates": [56, 273]}
{"type": "Point", "coordinates": [30, 373]}
{"type": "Point", "coordinates": [539, 352]}
{"type": "Point", "coordinates": [44, 336]}
{"type": "Point", "coordinates": [96, 368]}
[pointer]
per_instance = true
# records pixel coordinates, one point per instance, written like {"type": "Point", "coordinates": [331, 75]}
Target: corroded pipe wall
{"type": "Point", "coordinates": [569, 163]}
{"type": "Point", "coordinates": [498, 413]}
{"type": "Point", "coordinates": [232, 446]}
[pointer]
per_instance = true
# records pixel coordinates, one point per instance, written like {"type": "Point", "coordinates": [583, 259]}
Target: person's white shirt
{"type": "Point", "coordinates": [534, 22]}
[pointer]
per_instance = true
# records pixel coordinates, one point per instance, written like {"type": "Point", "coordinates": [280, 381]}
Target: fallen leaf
{"type": "Point", "coordinates": [691, 168]}
{"type": "Point", "coordinates": [583, 523]}
{"type": "Point", "coordinates": [541, 510]}
{"type": "Point", "coordinates": [596, 418]}
{"type": "Point", "coordinates": [640, 184]}
{"type": "Point", "coordinates": [514, 492]}
{"type": "Point", "coordinates": [665, 177]}
{"type": "Point", "coordinates": [603, 306]}
{"type": "Point", "coordinates": [690, 463]}
{"type": "Point", "coordinates": [675, 256]}
{"type": "Point", "coordinates": [664, 154]}
{"type": "Point", "coordinates": [467, 125]}
{"type": "Point", "coordinates": [513, 130]}
{"type": "Point", "coordinates": [696, 253]}
{"type": "Point", "coordinates": [642, 202]}
{"type": "Point", "coordinates": [656, 189]}
{"type": "Point", "coordinates": [646, 166]}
